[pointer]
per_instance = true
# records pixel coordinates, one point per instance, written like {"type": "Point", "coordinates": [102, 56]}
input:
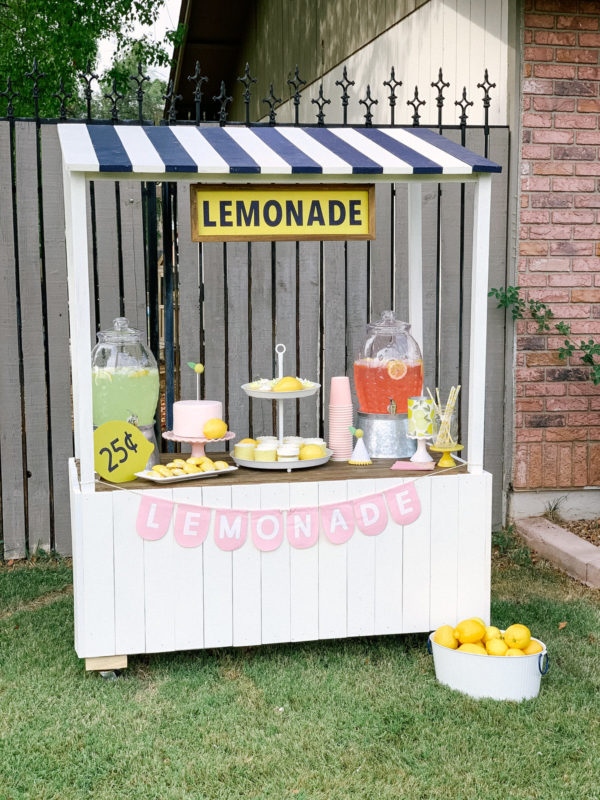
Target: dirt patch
{"type": "Point", "coordinates": [588, 529]}
{"type": "Point", "coordinates": [39, 602]}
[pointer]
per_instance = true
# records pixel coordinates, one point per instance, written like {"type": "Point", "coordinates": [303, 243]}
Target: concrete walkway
{"type": "Point", "coordinates": [568, 552]}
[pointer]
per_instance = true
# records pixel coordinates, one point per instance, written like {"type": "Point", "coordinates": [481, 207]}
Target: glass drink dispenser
{"type": "Point", "coordinates": [388, 371]}
{"type": "Point", "coordinates": [125, 383]}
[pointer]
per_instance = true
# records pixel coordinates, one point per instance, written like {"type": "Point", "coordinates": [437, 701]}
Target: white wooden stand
{"type": "Point", "coordinates": [133, 596]}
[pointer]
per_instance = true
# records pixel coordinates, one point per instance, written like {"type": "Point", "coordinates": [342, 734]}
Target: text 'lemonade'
{"type": "Point", "coordinates": [124, 392]}
{"type": "Point", "coordinates": [377, 382]}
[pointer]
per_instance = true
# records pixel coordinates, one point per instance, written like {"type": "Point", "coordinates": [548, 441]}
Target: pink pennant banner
{"type": "Point", "coordinates": [191, 525]}
{"type": "Point", "coordinates": [231, 529]}
{"type": "Point", "coordinates": [371, 514]}
{"type": "Point", "coordinates": [303, 527]}
{"type": "Point", "coordinates": [337, 520]}
{"type": "Point", "coordinates": [267, 529]}
{"type": "Point", "coordinates": [403, 503]}
{"type": "Point", "coordinates": [154, 518]}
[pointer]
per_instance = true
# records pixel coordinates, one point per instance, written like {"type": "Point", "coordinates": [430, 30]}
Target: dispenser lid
{"type": "Point", "coordinates": [120, 333]}
{"type": "Point", "coordinates": [388, 324]}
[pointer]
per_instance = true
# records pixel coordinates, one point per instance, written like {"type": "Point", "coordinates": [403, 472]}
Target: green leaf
{"type": "Point", "coordinates": [191, 364]}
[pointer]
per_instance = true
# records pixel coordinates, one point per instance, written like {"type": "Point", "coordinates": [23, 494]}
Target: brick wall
{"type": "Point", "coordinates": [557, 420]}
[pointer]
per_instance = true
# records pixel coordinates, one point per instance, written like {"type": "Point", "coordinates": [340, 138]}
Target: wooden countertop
{"type": "Point", "coordinates": [332, 471]}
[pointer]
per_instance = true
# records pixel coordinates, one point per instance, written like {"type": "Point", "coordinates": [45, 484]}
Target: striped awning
{"type": "Point", "coordinates": [239, 150]}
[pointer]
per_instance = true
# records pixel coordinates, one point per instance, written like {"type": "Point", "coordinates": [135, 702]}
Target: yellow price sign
{"type": "Point", "coordinates": [120, 450]}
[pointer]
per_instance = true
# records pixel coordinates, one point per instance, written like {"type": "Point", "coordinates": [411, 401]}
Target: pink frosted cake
{"type": "Point", "coordinates": [190, 416]}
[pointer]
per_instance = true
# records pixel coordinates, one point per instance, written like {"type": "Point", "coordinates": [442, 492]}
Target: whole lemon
{"type": "Point", "coordinates": [214, 428]}
{"type": "Point", "coordinates": [496, 647]}
{"type": "Point", "coordinates": [473, 647]}
{"type": "Point", "coordinates": [532, 648]}
{"type": "Point", "coordinates": [491, 633]}
{"type": "Point", "coordinates": [514, 651]}
{"type": "Point", "coordinates": [310, 451]}
{"type": "Point", "coordinates": [469, 631]}
{"type": "Point", "coordinates": [445, 636]}
{"type": "Point", "coordinates": [517, 636]}
{"type": "Point", "coordinates": [287, 384]}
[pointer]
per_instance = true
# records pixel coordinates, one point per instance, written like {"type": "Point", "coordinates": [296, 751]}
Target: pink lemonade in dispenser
{"type": "Point", "coordinates": [389, 368]}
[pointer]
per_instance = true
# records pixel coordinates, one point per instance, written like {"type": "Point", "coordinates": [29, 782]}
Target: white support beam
{"type": "Point", "coordinates": [415, 262]}
{"type": "Point", "coordinates": [79, 321]}
{"type": "Point", "coordinates": [479, 303]}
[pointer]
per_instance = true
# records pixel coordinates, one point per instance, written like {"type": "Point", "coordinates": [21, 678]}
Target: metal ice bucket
{"type": "Point", "coordinates": [385, 435]}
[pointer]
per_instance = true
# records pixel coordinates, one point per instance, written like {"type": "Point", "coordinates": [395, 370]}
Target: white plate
{"type": "Point", "coordinates": [150, 475]}
{"type": "Point", "coordinates": [270, 395]}
{"type": "Point", "coordinates": [284, 465]}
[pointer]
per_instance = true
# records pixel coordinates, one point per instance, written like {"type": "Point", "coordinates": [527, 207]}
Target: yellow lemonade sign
{"type": "Point", "coordinates": [271, 213]}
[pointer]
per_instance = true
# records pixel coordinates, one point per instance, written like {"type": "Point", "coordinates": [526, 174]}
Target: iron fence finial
{"type": "Point", "coordinates": [198, 79]}
{"type": "Point", "coordinates": [345, 83]}
{"type": "Point", "coordinates": [416, 104]}
{"type": "Point", "coordinates": [139, 79]}
{"type": "Point", "coordinates": [321, 102]}
{"type": "Point", "coordinates": [247, 80]}
{"type": "Point", "coordinates": [10, 95]}
{"type": "Point", "coordinates": [87, 77]}
{"type": "Point", "coordinates": [393, 84]}
{"type": "Point", "coordinates": [297, 82]}
{"type": "Point", "coordinates": [62, 96]}
{"type": "Point", "coordinates": [223, 99]}
{"type": "Point", "coordinates": [440, 85]}
{"type": "Point", "coordinates": [272, 102]}
{"type": "Point", "coordinates": [35, 75]}
{"type": "Point", "coordinates": [172, 99]}
{"type": "Point", "coordinates": [368, 103]}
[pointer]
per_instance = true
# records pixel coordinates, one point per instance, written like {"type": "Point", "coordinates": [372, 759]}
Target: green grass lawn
{"type": "Point", "coordinates": [362, 718]}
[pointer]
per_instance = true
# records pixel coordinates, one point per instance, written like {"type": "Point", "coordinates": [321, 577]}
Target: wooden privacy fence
{"type": "Point", "coordinates": [231, 303]}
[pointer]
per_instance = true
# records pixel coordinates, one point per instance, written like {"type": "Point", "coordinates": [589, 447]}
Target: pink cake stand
{"type": "Point", "coordinates": [197, 442]}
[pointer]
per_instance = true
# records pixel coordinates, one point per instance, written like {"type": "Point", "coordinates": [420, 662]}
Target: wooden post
{"type": "Point", "coordinates": [79, 320]}
{"type": "Point", "coordinates": [479, 302]}
{"type": "Point", "coordinates": [415, 262]}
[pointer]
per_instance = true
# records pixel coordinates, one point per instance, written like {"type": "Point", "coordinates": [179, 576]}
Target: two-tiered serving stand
{"type": "Point", "coordinates": [280, 397]}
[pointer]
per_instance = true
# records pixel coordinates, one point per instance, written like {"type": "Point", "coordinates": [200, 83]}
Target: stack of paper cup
{"type": "Point", "coordinates": [340, 419]}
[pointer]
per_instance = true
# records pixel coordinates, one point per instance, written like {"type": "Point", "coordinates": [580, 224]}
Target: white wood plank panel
{"type": "Point", "coordinates": [213, 308]}
{"type": "Point", "coordinates": [11, 448]}
{"type": "Point", "coordinates": [160, 586]}
{"type": "Point", "coordinates": [497, 112]}
{"type": "Point", "coordinates": [130, 611]}
{"type": "Point", "coordinates": [247, 621]}
{"type": "Point", "coordinates": [238, 413]}
{"type": "Point", "coordinates": [107, 250]}
{"type": "Point", "coordinates": [494, 45]}
{"type": "Point", "coordinates": [76, 538]}
{"type": "Point", "coordinates": [473, 547]}
{"type": "Point", "coordinates": [415, 564]}
{"type": "Point", "coordinates": [218, 580]}
{"type": "Point", "coordinates": [275, 573]}
{"type": "Point", "coordinates": [334, 343]}
{"type": "Point", "coordinates": [188, 570]}
{"type": "Point", "coordinates": [261, 330]}
{"type": "Point", "coordinates": [190, 294]}
{"type": "Point", "coordinates": [332, 571]}
{"type": "Point", "coordinates": [463, 30]}
{"type": "Point", "coordinates": [388, 571]}
{"type": "Point", "coordinates": [427, 69]}
{"type": "Point", "coordinates": [444, 551]}
{"type": "Point", "coordinates": [132, 248]}
{"type": "Point", "coordinates": [308, 334]}
{"type": "Point", "coordinates": [360, 559]}
{"type": "Point", "coordinates": [58, 334]}
{"type": "Point", "coordinates": [304, 572]}
{"type": "Point", "coordinates": [96, 556]}
{"type": "Point", "coordinates": [475, 56]}
{"type": "Point", "coordinates": [32, 330]}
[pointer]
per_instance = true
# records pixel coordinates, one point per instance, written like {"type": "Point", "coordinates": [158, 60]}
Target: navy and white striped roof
{"type": "Point", "coordinates": [238, 150]}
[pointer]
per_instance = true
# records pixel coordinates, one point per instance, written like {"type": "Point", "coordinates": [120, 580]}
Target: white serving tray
{"type": "Point", "coordinates": [284, 465]}
{"type": "Point", "coordinates": [270, 395]}
{"type": "Point", "coordinates": [150, 475]}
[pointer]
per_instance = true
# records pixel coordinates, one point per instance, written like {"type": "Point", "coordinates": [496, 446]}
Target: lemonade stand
{"type": "Point", "coordinates": [253, 556]}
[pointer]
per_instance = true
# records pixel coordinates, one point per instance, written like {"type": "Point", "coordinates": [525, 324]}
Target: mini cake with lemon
{"type": "Point", "coordinates": [190, 418]}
